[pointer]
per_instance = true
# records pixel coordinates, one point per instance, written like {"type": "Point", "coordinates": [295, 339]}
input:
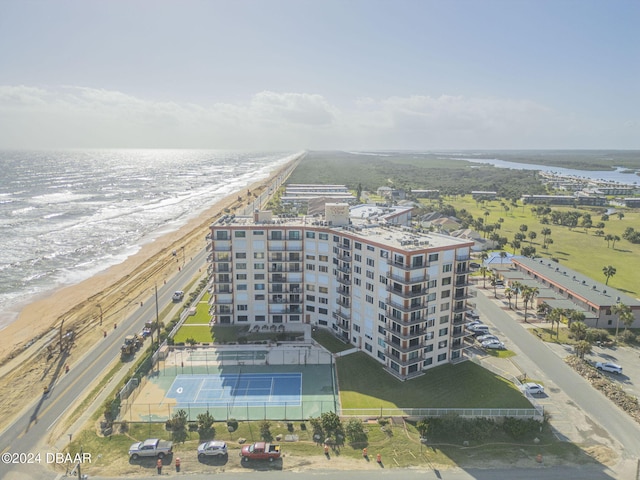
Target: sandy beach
{"type": "Point", "coordinates": [111, 293]}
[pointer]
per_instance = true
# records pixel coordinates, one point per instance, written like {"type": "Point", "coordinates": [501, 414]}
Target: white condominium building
{"type": "Point", "coordinates": [398, 295]}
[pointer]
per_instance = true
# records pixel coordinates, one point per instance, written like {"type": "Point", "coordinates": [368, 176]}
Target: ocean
{"type": "Point", "coordinates": [66, 215]}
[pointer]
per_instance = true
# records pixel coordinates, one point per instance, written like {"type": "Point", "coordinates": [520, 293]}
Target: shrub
{"type": "Point", "coordinates": [629, 337]}
{"type": "Point", "coordinates": [518, 427]}
{"type": "Point", "coordinates": [355, 431]}
{"type": "Point", "coordinates": [265, 431]}
{"type": "Point", "coordinates": [205, 426]}
{"type": "Point", "coordinates": [124, 426]}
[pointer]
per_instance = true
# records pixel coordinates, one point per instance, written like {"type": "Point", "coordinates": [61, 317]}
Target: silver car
{"type": "Point", "coordinates": [214, 448]}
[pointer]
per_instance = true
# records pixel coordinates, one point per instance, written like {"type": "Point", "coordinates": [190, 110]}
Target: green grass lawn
{"type": "Point", "coordinates": [364, 384]}
{"type": "Point", "coordinates": [200, 333]}
{"type": "Point", "coordinates": [329, 341]}
{"type": "Point", "coordinates": [582, 251]}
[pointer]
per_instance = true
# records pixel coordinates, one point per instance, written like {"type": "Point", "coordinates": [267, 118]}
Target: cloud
{"type": "Point", "coordinates": [71, 116]}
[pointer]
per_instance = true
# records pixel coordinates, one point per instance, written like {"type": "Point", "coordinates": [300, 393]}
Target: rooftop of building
{"type": "Point", "coordinates": [404, 238]}
{"type": "Point", "coordinates": [581, 285]}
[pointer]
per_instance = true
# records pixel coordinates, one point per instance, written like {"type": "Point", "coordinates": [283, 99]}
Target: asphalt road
{"type": "Point", "coordinates": [27, 433]}
{"type": "Point", "coordinates": [616, 423]}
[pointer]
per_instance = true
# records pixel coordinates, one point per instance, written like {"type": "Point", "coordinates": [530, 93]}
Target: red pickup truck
{"type": "Point", "coordinates": [260, 451]}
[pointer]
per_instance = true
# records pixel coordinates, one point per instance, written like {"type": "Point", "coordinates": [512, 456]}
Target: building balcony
{"type": "Point", "coordinates": [344, 247]}
{"type": "Point", "coordinates": [406, 308]}
{"type": "Point", "coordinates": [342, 314]}
{"type": "Point", "coordinates": [458, 345]}
{"type": "Point", "coordinates": [463, 258]}
{"type": "Point", "coordinates": [344, 258]}
{"type": "Point", "coordinates": [411, 334]}
{"type": "Point", "coordinates": [407, 294]}
{"type": "Point", "coordinates": [407, 361]}
{"type": "Point", "coordinates": [460, 333]}
{"type": "Point", "coordinates": [343, 291]}
{"type": "Point", "coordinates": [276, 299]}
{"type": "Point", "coordinates": [343, 281]}
{"type": "Point", "coordinates": [463, 283]}
{"type": "Point", "coordinates": [221, 278]}
{"type": "Point", "coordinates": [221, 247]}
{"type": "Point", "coordinates": [285, 311]}
{"type": "Point", "coordinates": [284, 268]}
{"type": "Point", "coordinates": [402, 266]}
{"type": "Point", "coordinates": [343, 302]}
{"type": "Point", "coordinates": [217, 309]}
{"type": "Point", "coordinates": [346, 270]}
{"type": "Point", "coordinates": [406, 323]}
{"type": "Point", "coordinates": [403, 280]}
{"type": "Point", "coordinates": [465, 295]}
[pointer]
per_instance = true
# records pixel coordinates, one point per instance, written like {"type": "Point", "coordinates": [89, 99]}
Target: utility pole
{"type": "Point", "coordinates": [158, 328]}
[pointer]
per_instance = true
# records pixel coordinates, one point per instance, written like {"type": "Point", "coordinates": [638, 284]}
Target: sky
{"type": "Point", "coordinates": [320, 74]}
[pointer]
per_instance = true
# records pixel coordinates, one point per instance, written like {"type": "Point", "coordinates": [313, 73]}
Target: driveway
{"type": "Point", "coordinates": [579, 413]}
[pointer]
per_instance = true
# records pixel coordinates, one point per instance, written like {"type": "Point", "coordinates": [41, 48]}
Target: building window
{"type": "Point", "coordinates": [432, 284]}
{"type": "Point", "coordinates": [433, 257]}
{"type": "Point", "coordinates": [310, 267]}
{"type": "Point", "coordinates": [258, 266]}
{"type": "Point", "coordinates": [370, 274]}
{"type": "Point", "coordinates": [368, 347]}
{"type": "Point", "coordinates": [446, 281]}
{"type": "Point", "coordinates": [241, 276]}
{"type": "Point", "coordinates": [323, 300]}
{"type": "Point", "coordinates": [240, 234]}
{"type": "Point", "coordinates": [323, 289]}
{"type": "Point", "coordinates": [323, 268]}
{"type": "Point", "coordinates": [323, 236]}
{"type": "Point", "coordinates": [357, 258]}
{"type": "Point", "coordinates": [258, 255]}
{"type": "Point", "coordinates": [309, 234]}
{"type": "Point", "coordinates": [277, 318]}
{"type": "Point", "coordinates": [242, 286]}
{"type": "Point", "coordinates": [442, 357]}
{"type": "Point", "coordinates": [447, 268]}
{"type": "Point", "coordinates": [260, 318]}
{"type": "Point", "coordinates": [445, 306]}
{"type": "Point", "coordinates": [310, 308]}
{"type": "Point", "coordinates": [370, 262]}
{"type": "Point", "coordinates": [258, 232]}
{"type": "Point", "coordinates": [311, 298]}
{"type": "Point", "coordinates": [310, 288]}
{"type": "Point", "coordinates": [241, 255]}
{"type": "Point", "coordinates": [323, 311]}
{"type": "Point", "coordinates": [384, 254]}
{"type": "Point", "coordinates": [429, 336]}
{"type": "Point", "coordinates": [259, 297]}
{"type": "Point", "coordinates": [323, 258]}
{"type": "Point", "coordinates": [443, 331]}
{"type": "Point", "coordinates": [241, 266]}
{"type": "Point", "coordinates": [243, 318]}
{"type": "Point", "coordinates": [294, 318]}
{"type": "Point", "coordinates": [370, 248]}
{"type": "Point", "coordinates": [442, 344]}
{"type": "Point", "coordinates": [445, 294]}
{"type": "Point", "coordinates": [428, 348]}
{"type": "Point", "coordinates": [358, 245]}
{"type": "Point", "coordinates": [356, 328]}
{"type": "Point", "coordinates": [294, 235]}
{"type": "Point", "coordinates": [369, 287]}
{"type": "Point", "coordinates": [222, 235]}
{"type": "Point", "coordinates": [258, 286]}
{"type": "Point", "coordinates": [258, 276]}
{"type": "Point", "coordinates": [242, 308]}
{"type": "Point", "coordinates": [427, 362]}
{"type": "Point", "coordinates": [369, 299]}
{"type": "Point", "coordinates": [444, 319]}
{"type": "Point", "coordinates": [381, 305]}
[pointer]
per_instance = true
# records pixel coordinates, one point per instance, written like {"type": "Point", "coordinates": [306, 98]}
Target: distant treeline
{"type": "Point", "coordinates": [412, 171]}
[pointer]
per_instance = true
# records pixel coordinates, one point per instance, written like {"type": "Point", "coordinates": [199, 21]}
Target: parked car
{"type": "Point", "coordinates": [532, 388]}
{"type": "Point", "coordinates": [609, 367]}
{"type": "Point", "coordinates": [481, 329]}
{"type": "Point", "coordinates": [470, 325]}
{"type": "Point", "coordinates": [493, 345]}
{"type": "Point", "coordinates": [487, 337]}
{"type": "Point", "coordinates": [214, 448]}
{"type": "Point", "coordinates": [474, 265]}
{"type": "Point", "coordinates": [472, 315]}
{"type": "Point", "coordinates": [260, 451]}
{"type": "Point", "coordinates": [152, 447]}
{"type": "Point", "coordinates": [178, 296]}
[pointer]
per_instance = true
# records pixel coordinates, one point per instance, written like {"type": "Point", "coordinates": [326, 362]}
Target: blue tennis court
{"type": "Point", "coordinates": [240, 388]}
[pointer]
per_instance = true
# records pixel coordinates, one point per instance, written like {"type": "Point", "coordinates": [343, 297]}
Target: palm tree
{"type": "Point", "coordinates": [517, 288]}
{"type": "Point", "coordinates": [579, 329]}
{"type": "Point", "coordinates": [528, 294]}
{"type": "Point", "coordinates": [608, 238]}
{"type": "Point", "coordinates": [545, 233]}
{"type": "Point", "coordinates": [515, 244]}
{"type": "Point", "coordinates": [484, 270]}
{"type": "Point", "coordinates": [532, 236]}
{"type": "Point", "coordinates": [503, 255]}
{"type": "Point", "coordinates": [547, 241]}
{"type": "Point", "coordinates": [582, 348]}
{"type": "Point", "coordinates": [625, 314]}
{"type": "Point", "coordinates": [575, 316]}
{"type": "Point", "coordinates": [554, 316]}
{"type": "Point", "coordinates": [615, 239]}
{"type": "Point", "coordinates": [494, 283]}
{"type": "Point", "coordinates": [609, 272]}
{"type": "Point", "coordinates": [620, 215]}
{"type": "Point", "coordinates": [508, 292]}
{"type": "Point", "coordinates": [524, 228]}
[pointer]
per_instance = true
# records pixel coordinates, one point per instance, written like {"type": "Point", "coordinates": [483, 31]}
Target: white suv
{"type": "Point", "coordinates": [178, 296]}
{"type": "Point", "coordinates": [609, 367]}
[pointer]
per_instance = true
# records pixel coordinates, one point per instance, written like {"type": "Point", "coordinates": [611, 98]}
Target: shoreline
{"type": "Point", "coordinates": [76, 305]}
